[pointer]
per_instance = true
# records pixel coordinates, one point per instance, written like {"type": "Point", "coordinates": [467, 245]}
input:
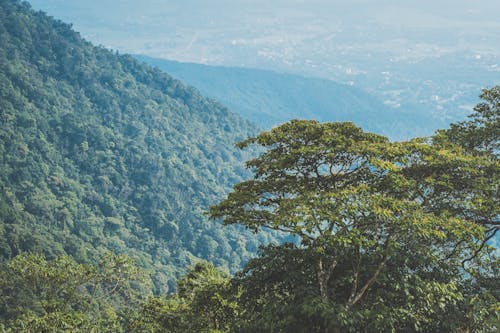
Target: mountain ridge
{"type": "Point", "coordinates": [269, 98]}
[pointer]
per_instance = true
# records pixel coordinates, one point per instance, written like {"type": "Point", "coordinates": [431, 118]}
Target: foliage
{"type": "Point", "coordinates": [99, 152]}
{"type": "Point", "coordinates": [481, 133]}
{"type": "Point", "coordinates": [384, 229]}
{"type": "Point", "coordinates": [39, 295]}
{"type": "Point", "coordinates": [474, 187]}
{"type": "Point", "coordinates": [204, 303]}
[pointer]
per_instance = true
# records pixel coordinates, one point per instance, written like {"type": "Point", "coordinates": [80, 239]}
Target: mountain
{"type": "Point", "coordinates": [269, 98]}
{"type": "Point", "coordinates": [101, 153]}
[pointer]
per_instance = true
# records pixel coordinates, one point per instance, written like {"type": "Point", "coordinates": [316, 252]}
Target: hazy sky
{"type": "Point", "coordinates": [425, 55]}
{"type": "Point", "coordinates": [182, 28]}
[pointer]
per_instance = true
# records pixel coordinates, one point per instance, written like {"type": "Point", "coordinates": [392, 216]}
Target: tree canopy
{"type": "Point", "coordinates": [40, 295]}
{"type": "Point", "coordinates": [389, 234]}
{"type": "Point", "coordinates": [101, 153]}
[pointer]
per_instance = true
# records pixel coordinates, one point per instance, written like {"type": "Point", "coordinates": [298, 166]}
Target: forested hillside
{"type": "Point", "coordinates": [115, 177]}
{"type": "Point", "coordinates": [99, 152]}
{"type": "Point", "coordinates": [269, 98]}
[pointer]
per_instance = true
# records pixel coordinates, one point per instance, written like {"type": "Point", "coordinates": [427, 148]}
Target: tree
{"type": "Point", "coordinates": [473, 184]}
{"type": "Point", "coordinates": [370, 246]}
{"type": "Point", "coordinates": [40, 295]}
{"type": "Point", "coordinates": [482, 132]}
{"type": "Point", "coordinates": [204, 303]}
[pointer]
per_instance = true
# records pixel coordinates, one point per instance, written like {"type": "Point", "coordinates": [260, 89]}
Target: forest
{"type": "Point", "coordinates": [125, 206]}
{"type": "Point", "coordinates": [100, 153]}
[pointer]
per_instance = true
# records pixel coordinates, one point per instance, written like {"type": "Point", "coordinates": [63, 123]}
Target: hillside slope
{"type": "Point", "coordinates": [269, 98]}
{"type": "Point", "coordinates": [99, 153]}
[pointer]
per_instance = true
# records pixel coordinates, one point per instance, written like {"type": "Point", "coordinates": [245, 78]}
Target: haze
{"type": "Point", "coordinates": [425, 56]}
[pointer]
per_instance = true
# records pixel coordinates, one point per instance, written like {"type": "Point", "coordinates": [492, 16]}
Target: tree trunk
{"type": "Point", "coordinates": [324, 273]}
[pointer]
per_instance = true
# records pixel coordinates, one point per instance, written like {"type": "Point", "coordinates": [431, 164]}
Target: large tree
{"type": "Point", "coordinates": [377, 241]}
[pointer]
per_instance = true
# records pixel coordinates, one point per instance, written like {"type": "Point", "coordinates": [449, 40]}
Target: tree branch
{"type": "Point", "coordinates": [356, 297]}
{"type": "Point", "coordinates": [359, 295]}
{"type": "Point", "coordinates": [356, 275]}
{"type": "Point", "coordinates": [483, 243]}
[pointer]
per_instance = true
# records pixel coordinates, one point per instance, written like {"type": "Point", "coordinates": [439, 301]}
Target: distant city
{"type": "Point", "coordinates": [429, 57]}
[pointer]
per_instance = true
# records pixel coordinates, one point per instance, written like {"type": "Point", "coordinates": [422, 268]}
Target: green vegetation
{"type": "Point", "coordinates": [107, 169]}
{"type": "Point", "coordinates": [61, 295]}
{"type": "Point", "coordinates": [99, 153]}
{"type": "Point", "coordinates": [392, 235]}
{"type": "Point", "coordinates": [205, 302]}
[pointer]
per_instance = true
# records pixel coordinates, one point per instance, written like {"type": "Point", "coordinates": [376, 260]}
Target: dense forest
{"type": "Point", "coordinates": [100, 153]}
{"type": "Point", "coordinates": [125, 207]}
